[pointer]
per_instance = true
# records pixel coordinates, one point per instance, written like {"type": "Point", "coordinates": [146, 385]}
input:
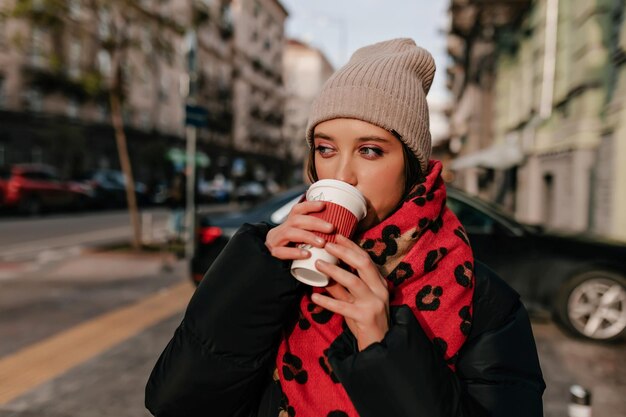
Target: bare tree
{"type": "Point", "coordinates": [116, 27]}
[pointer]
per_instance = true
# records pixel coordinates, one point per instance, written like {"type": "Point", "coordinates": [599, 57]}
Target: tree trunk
{"type": "Point", "coordinates": [122, 150]}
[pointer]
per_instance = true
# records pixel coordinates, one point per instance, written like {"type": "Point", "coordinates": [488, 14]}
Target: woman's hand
{"type": "Point", "coordinates": [363, 300]}
{"type": "Point", "coordinates": [298, 228]}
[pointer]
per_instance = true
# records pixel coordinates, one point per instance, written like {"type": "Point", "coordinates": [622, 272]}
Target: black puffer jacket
{"type": "Point", "coordinates": [220, 360]}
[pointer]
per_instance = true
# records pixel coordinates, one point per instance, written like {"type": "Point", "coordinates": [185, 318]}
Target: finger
{"type": "Point", "coordinates": [308, 207]}
{"type": "Point", "coordinates": [349, 281]}
{"type": "Point", "coordinates": [353, 255]}
{"type": "Point", "coordinates": [287, 253]}
{"type": "Point", "coordinates": [287, 235]}
{"type": "Point", "coordinates": [339, 292]}
{"type": "Point", "coordinates": [336, 306]}
{"type": "Point", "coordinates": [308, 222]}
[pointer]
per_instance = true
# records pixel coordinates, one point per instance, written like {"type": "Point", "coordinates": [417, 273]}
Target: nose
{"type": "Point", "coordinates": [345, 172]}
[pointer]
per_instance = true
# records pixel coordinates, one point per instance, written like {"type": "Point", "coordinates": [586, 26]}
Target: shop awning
{"type": "Point", "coordinates": [498, 156]}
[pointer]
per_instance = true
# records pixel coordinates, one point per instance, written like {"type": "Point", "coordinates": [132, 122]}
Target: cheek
{"type": "Point", "coordinates": [384, 191]}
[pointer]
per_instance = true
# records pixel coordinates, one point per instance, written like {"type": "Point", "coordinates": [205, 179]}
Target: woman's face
{"type": "Point", "coordinates": [365, 156]}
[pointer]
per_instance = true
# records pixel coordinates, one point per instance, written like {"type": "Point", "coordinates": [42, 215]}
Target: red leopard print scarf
{"type": "Point", "coordinates": [424, 252]}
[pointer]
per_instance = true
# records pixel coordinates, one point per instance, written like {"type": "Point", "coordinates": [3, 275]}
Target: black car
{"type": "Point", "coordinates": [109, 187]}
{"type": "Point", "coordinates": [579, 280]}
{"type": "Point", "coordinates": [215, 230]}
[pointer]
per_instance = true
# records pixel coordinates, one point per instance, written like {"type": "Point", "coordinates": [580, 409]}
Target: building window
{"type": "Point", "coordinates": [74, 59]}
{"type": "Point", "coordinates": [257, 9]}
{"type": "Point", "coordinates": [144, 121]}
{"type": "Point", "coordinates": [104, 62]}
{"type": "Point", "coordinates": [548, 199]}
{"type": "Point", "coordinates": [34, 100]}
{"type": "Point", "coordinates": [103, 112]}
{"type": "Point", "coordinates": [146, 76]}
{"type": "Point", "coordinates": [127, 115]}
{"type": "Point", "coordinates": [3, 98]}
{"type": "Point", "coordinates": [36, 51]}
{"type": "Point", "coordinates": [2, 33]}
{"type": "Point", "coordinates": [38, 5]}
{"type": "Point", "coordinates": [72, 108]}
{"type": "Point", "coordinates": [146, 41]}
{"type": "Point", "coordinates": [164, 87]}
{"type": "Point", "coordinates": [74, 8]}
{"type": "Point", "coordinates": [104, 23]}
{"type": "Point", "coordinates": [227, 20]}
{"type": "Point", "coordinates": [127, 73]}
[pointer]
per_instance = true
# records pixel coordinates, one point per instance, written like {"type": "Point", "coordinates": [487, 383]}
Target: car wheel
{"type": "Point", "coordinates": [593, 305]}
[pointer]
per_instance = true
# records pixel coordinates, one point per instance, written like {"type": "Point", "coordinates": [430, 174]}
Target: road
{"type": "Point", "coordinates": [20, 238]}
{"type": "Point", "coordinates": [30, 238]}
{"type": "Point", "coordinates": [80, 337]}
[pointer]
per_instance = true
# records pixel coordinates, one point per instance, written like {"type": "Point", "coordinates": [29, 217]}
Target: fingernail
{"type": "Point", "coordinates": [330, 244]}
{"type": "Point", "coordinates": [321, 262]}
{"type": "Point", "coordinates": [305, 253]}
{"type": "Point", "coordinates": [319, 240]}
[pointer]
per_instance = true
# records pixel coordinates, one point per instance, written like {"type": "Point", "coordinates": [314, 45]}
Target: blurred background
{"type": "Point", "coordinates": [135, 136]}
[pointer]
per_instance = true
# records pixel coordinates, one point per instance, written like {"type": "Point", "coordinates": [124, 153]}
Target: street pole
{"type": "Point", "coordinates": [190, 221]}
{"type": "Point", "coordinates": [190, 134]}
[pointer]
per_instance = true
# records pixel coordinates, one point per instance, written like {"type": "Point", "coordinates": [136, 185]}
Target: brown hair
{"type": "Point", "coordinates": [412, 171]}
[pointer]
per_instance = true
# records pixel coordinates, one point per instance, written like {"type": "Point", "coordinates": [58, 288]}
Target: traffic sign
{"type": "Point", "coordinates": [197, 116]}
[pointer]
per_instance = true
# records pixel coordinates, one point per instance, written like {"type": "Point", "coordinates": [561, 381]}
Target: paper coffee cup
{"type": "Point", "coordinates": [345, 207]}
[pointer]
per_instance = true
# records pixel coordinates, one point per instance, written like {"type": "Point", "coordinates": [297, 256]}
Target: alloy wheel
{"type": "Point", "coordinates": [597, 308]}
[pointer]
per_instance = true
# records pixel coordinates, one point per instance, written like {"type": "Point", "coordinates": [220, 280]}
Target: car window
{"type": "Point", "coordinates": [473, 220]}
{"type": "Point", "coordinates": [39, 176]}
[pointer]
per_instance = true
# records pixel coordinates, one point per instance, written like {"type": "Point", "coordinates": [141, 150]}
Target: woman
{"type": "Point", "coordinates": [411, 325]}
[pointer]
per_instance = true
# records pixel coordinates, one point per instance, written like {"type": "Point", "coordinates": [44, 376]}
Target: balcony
{"type": "Point", "coordinates": [468, 14]}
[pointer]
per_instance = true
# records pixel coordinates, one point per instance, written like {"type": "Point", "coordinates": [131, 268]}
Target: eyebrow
{"type": "Point", "coordinates": [373, 138]}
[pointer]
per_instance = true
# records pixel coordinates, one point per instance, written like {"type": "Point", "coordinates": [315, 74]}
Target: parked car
{"type": "Point", "coordinates": [578, 279]}
{"type": "Point", "coordinates": [4, 177]}
{"type": "Point", "coordinates": [251, 191]}
{"type": "Point", "coordinates": [217, 190]}
{"type": "Point", "coordinates": [33, 188]}
{"type": "Point", "coordinates": [110, 189]}
{"type": "Point", "coordinates": [215, 231]}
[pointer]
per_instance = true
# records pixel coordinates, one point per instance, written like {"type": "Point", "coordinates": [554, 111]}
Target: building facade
{"type": "Point", "coordinates": [55, 71]}
{"type": "Point", "coordinates": [555, 114]}
{"type": "Point", "coordinates": [258, 90]}
{"type": "Point", "coordinates": [306, 70]}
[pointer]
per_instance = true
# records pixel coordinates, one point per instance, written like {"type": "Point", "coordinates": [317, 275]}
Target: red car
{"type": "Point", "coordinates": [4, 176]}
{"type": "Point", "coordinates": [33, 188]}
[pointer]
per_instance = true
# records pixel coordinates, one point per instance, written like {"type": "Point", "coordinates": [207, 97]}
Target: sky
{"type": "Point", "coordinates": [339, 27]}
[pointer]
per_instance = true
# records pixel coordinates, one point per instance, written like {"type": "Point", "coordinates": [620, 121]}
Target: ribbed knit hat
{"type": "Point", "coordinates": [384, 84]}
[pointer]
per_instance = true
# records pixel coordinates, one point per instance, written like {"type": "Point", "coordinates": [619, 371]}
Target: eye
{"type": "Point", "coordinates": [323, 150]}
{"type": "Point", "coordinates": [371, 152]}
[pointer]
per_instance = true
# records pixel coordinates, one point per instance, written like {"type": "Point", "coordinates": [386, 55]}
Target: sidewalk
{"type": "Point", "coordinates": [88, 263]}
{"type": "Point", "coordinates": [110, 265]}
{"type": "Point", "coordinates": [76, 313]}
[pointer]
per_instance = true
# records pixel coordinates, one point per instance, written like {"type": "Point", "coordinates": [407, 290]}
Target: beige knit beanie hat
{"type": "Point", "coordinates": [384, 84]}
